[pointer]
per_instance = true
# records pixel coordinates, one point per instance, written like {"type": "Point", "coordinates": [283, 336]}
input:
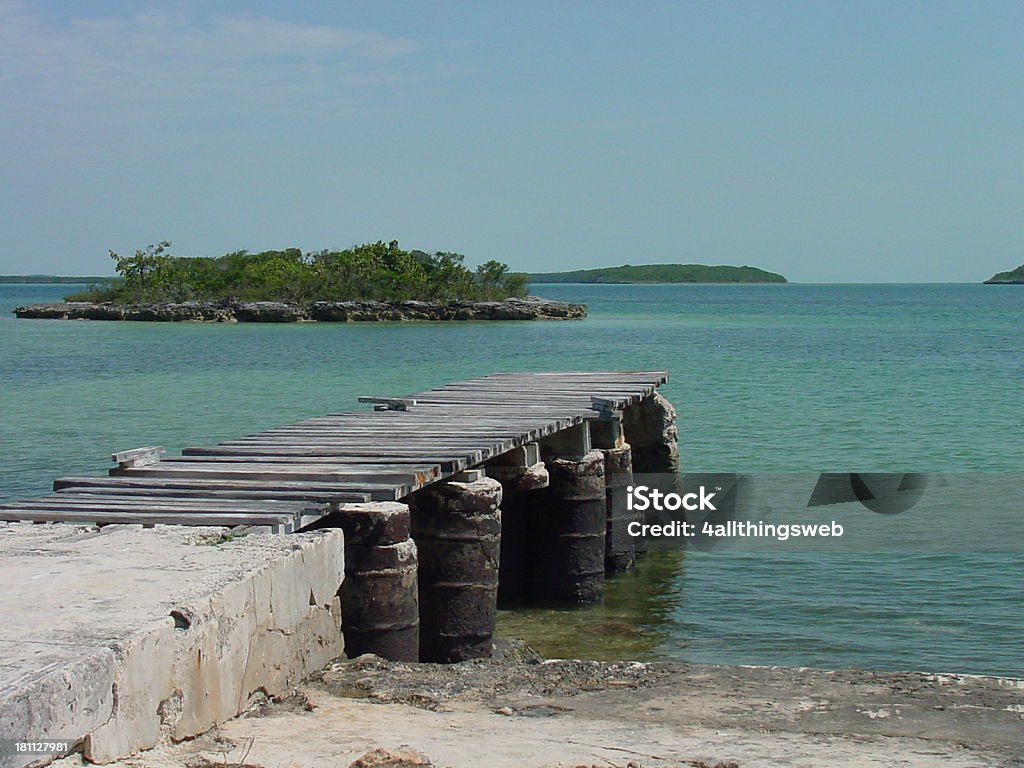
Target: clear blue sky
{"type": "Point", "coordinates": [851, 141]}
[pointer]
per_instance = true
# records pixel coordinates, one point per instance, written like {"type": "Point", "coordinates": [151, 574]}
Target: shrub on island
{"type": "Point", "coordinates": [371, 272]}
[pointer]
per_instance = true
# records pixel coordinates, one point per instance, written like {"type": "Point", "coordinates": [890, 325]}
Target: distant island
{"type": "Point", "coordinates": [371, 282]}
{"type": "Point", "coordinates": [55, 279]}
{"type": "Point", "coordinates": [1013, 277]}
{"type": "Point", "coordinates": [660, 273]}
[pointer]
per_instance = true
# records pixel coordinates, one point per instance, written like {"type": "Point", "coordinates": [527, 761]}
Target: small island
{"type": "Point", "coordinates": [660, 273]}
{"type": "Point", "coordinates": [372, 282]}
{"type": "Point", "coordinates": [1013, 277]}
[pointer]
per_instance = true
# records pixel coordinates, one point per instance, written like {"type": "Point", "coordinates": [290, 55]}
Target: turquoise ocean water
{"type": "Point", "coordinates": [790, 378]}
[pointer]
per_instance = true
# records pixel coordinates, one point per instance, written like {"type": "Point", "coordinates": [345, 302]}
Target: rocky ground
{"type": "Point", "coordinates": [521, 711]}
{"type": "Point", "coordinates": [530, 308]}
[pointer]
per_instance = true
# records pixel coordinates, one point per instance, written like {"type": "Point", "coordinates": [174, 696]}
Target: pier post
{"type": "Point", "coordinates": [379, 597]}
{"type": "Point", "coordinates": [650, 428]}
{"type": "Point", "coordinates": [457, 527]}
{"type": "Point", "coordinates": [570, 529]}
{"type": "Point", "coordinates": [522, 475]}
{"type": "Point", "coordinates": [607, 437]}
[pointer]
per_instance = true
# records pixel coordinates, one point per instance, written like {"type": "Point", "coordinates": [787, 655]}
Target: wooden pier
{"type": "Point", "coordinates": [432, 491]}
{"type": "Point", "coordinates": [286, 479]}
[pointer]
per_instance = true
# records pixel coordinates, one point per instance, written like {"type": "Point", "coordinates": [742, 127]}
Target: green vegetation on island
{"type": "Point", "coordinates": [660, 273]}
{"type": "Point", "coordinates": [371, 272]}
{"type": "Point", "coordinates": [55, 279]}
{"type": "Point", "coordinates": [1013, 277]}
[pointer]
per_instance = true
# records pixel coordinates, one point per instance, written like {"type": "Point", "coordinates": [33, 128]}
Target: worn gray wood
{"type": "Point", "coordinates": [66, 500]}
{"type": "Point", "coordinates": [376, 491]}
{"type": "Point", "coordinates": [306, 471]}
{"type": "Point", "coordinates": [326, 497]}
{"type": "Point", "coordinates": [138, 457]}
{"type": "Point", "coordinates": [288, 476]}
{"type": "Point", "coordinates": [278, 455]}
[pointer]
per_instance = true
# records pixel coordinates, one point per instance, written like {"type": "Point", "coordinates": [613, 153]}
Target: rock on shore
{"type": "Point", "coordinates": [530, 308]}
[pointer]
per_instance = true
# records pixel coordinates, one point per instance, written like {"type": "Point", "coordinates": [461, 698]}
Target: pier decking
{"type": "Point", "coordinates": [287, 478]}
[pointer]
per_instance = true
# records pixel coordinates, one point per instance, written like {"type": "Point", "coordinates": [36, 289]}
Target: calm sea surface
{"type": "Point", "coordinates": [791, 378]}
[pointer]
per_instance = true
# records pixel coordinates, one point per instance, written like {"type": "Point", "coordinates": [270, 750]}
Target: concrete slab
{"type": "Point", "coordinates": [116, 638]}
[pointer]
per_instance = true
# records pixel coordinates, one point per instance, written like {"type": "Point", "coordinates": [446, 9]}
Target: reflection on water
{"type": "Point", "coordinates": [639, 613]}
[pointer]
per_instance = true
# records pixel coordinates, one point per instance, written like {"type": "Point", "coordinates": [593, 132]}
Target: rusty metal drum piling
{"type": "Point", "coordinates": [457, 527]}
{"type": "Point", "coordinates": [620, 550]}
{"type": "Point", "coordinates": [380, 596]}
{"type": "Point", "coordinates": [570, 531]}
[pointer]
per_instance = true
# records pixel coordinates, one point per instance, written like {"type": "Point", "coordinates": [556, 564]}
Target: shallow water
{"type": "Point", "coordinates": [789, 378]}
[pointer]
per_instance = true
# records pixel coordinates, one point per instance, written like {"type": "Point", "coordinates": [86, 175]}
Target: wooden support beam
{"type": "Point", "coordinates": [607, 432]}
{"type": "Point", "coordinates": [522, 457]}
{"type": "Point", "coordinates": [469, 476]}
{"type": "Point", "coordinates": [605, 406]}
{"type": "Point", "coordinates": [572, 442]}
{"type": "Point", "coordinates": [138, 457]}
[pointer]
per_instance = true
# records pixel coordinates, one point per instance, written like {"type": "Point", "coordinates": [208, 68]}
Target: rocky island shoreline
{"type": "Point", "coordinates": [528, 308]}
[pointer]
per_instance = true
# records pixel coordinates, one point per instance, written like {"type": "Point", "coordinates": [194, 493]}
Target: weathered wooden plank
{"type": "Point", "coordinates": [447, 429]}
{"type": "Point", "coordinates": [289, 471]}
{"type": "Point", "coordinates": [273, 456]}
{"type": "Point", "coordinates": [423, 430]}
{"type": "Point", "coordinates": [511, 407]}
{"type": "Point", "coordinates": [581, 400]}
{"type": "Point", "coordinates": [524, 397]}
{"type": "Point", "coordinates": [325, 463]}
{"type": "Point", "coordinates": [71, 500]}
{"type": "Point", "coordinates": [505, 415]}
{"type": "Point", "coordinates": [459, 459]}
{"type": "Point", "coordinates": [325, 497]}
{"type": "Point", "coordinates": [376, 491]}
{"type": "Point", "coordinates": [484, 449]}
{"type": "Point", "coordinates": [416, 440]}
{"type": "Point", "coordinates": [203, 503]}
{"type": "Point", "coordinates": [658, 377]}
{"type": "Point", "coordinates": [512, 381]}
{"type": "Point", "coordinates": [397, 437]}
{"type": "Point", "coordinates": [554, 388]}
{"type": "Point", "coordinates": [493, 417]}
{"type": "Point", "coordinates": [238, 472]}
{"type": "Point", "coordinates": [419, 441]}
{"type": "Point", "coordinates": [539, 409]}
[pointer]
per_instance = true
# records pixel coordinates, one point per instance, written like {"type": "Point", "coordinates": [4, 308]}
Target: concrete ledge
{"type": "Point", "coordinates": [117, 639]}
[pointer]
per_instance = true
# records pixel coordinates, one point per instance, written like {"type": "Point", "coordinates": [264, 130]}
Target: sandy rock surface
{"type": "Point", "coordinates": [518, 713]}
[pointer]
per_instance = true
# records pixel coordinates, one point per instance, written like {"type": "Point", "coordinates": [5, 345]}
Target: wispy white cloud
{"type": "Point", "coordinates": [263, 36]}
{"type": "Point", "coordinates": [157, 59]}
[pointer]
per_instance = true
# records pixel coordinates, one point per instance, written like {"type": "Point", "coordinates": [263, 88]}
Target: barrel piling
{"type": "Point", "coordinates": [570, 528]}
{"type": "Point", "coordinates": [380, 596]}
{"type": "Point", "coordinates": [607, 437]}
{"type": "Point", "coordinates": [457, 527]}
